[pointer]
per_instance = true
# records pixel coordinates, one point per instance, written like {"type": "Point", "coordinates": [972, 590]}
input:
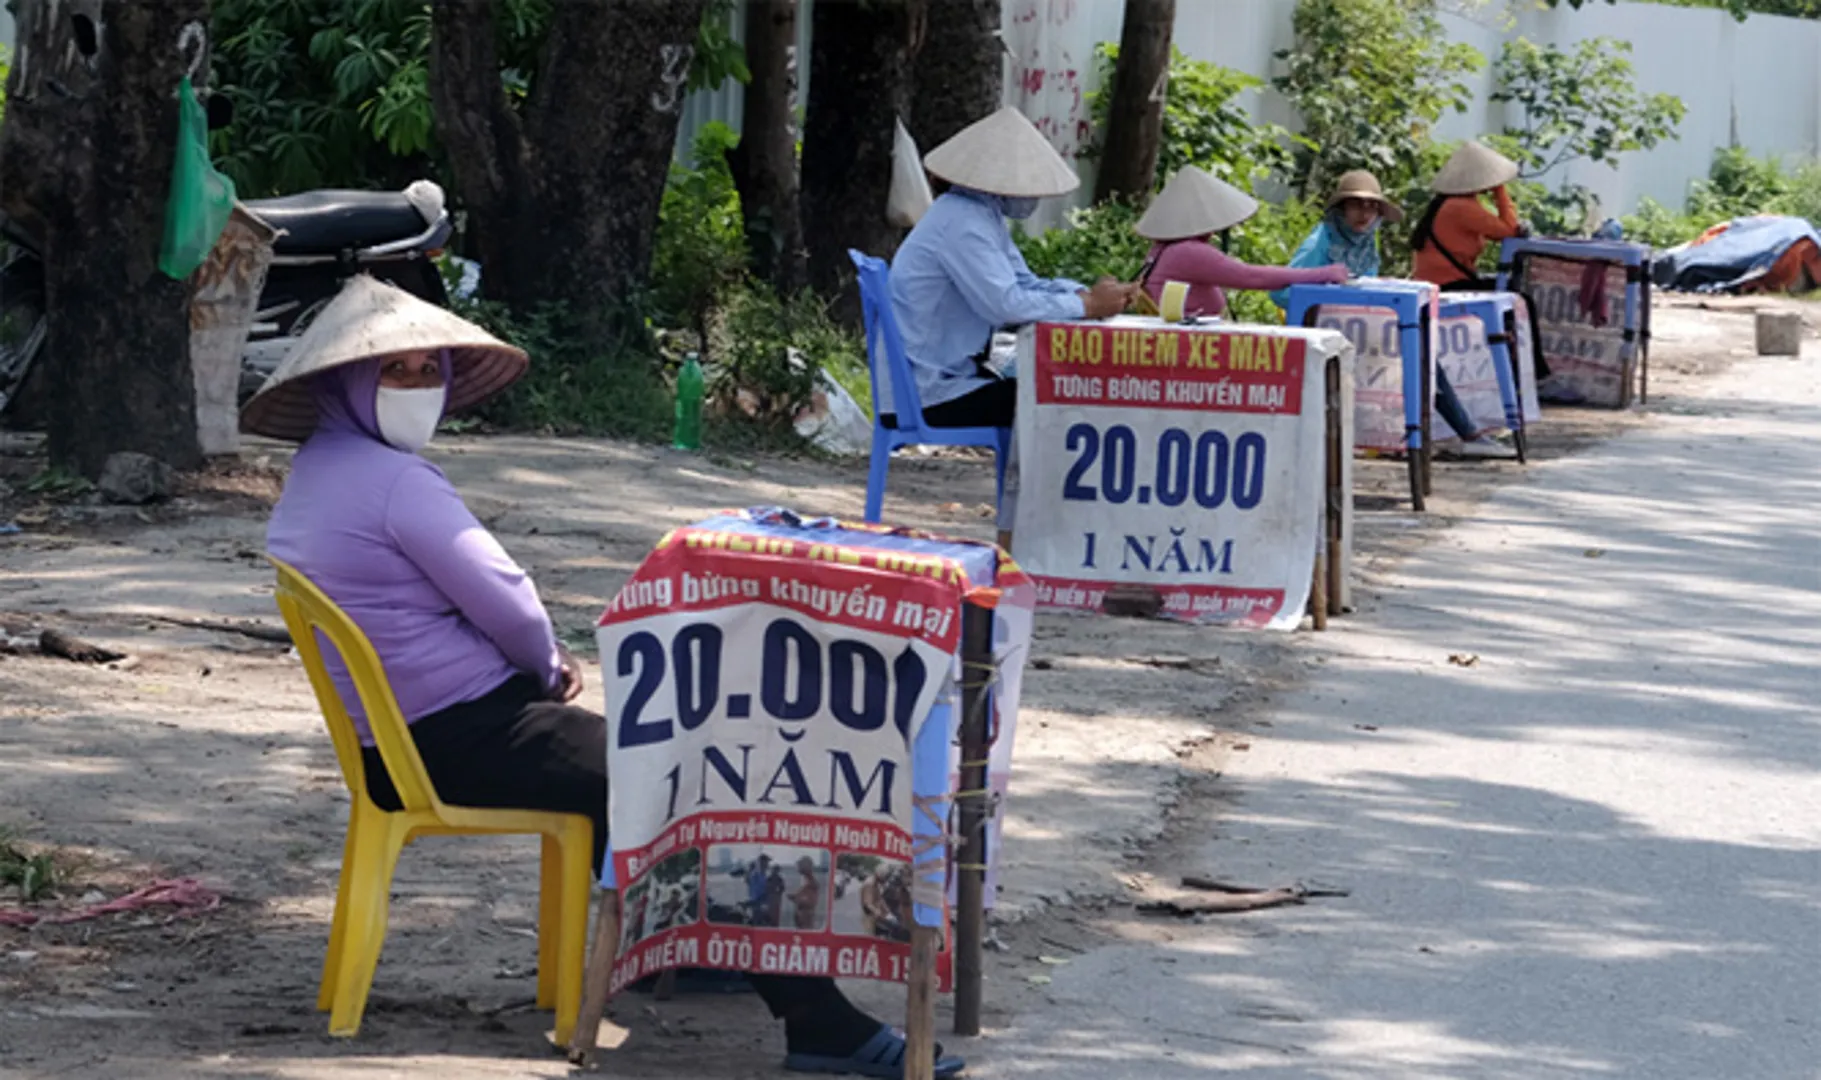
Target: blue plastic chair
{"type": "Point", "coordinates": [885, 355]}
{"type": "Point", "coordinates": [1496, 314]}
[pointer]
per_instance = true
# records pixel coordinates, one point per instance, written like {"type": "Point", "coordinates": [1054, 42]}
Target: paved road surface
{"type": "Point", "coordinates": [1594, 853]}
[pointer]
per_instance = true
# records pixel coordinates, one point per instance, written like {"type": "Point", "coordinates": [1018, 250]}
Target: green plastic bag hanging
{"type": "Point", "coordinates": [201, 198]}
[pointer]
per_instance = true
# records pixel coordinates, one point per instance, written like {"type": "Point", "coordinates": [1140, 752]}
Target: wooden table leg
{"type": "Point", "coordinates": [1318, 585]}
{"type": "Point", "coordinates": [920, 1008]}
{"type": "Point", "coordinates": [972, 803]}
{"type": "Point", "coordinates": [597, 982]}
{"type": "Point", "coordinates": [1318, 580]}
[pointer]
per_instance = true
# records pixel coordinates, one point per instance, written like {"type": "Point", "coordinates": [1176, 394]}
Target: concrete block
{"type": "Point", "coordinates": [1779, 333]}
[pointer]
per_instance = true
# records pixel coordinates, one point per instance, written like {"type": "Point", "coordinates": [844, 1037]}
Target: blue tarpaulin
{"type": "Point", "coordinates": [1742, 254]}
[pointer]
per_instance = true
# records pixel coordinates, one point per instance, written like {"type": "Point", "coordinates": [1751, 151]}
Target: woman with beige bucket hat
{"type": "Point", "coordinates": [469, 651]}
{"type": "Point", "coordinates": [1348, 232]}
{"type": "Point", "coordinates": [1189, 210]}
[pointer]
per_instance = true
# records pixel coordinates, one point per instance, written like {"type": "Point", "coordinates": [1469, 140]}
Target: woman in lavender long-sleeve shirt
{"type": "Point", "coordinates": [468, 647]}
{"type": "Point", "coordinates": [1190, 209]}
{"type": "Point", "coordinates": [384, 534]}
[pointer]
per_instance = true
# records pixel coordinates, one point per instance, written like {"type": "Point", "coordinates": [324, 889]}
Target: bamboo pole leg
{"type": "Point", "coordinates": [597, 981]}
{"type": "Point", "coordinates": [970, 878]}
{"type": "Point", "coordinates": [920, 1009]}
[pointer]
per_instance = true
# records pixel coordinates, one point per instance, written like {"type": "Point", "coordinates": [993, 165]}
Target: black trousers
{"type": "Point", "coordinates": [992, 405]}
{"type": "Point", "coordinates": [512, 749]}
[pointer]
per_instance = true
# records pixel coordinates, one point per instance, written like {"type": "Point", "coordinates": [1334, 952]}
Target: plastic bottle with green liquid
{"type": "Point", "coordinates": [690, 387]}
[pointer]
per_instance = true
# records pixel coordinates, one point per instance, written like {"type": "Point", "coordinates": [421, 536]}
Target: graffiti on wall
{"type": "Point", "coordinates": [1051, 63]}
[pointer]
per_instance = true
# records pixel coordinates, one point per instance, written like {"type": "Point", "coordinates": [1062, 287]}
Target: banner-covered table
{"type": "Point", "coordinates": [1391, 324]}
{"type": "Point", "coordinates": [1198, 472]}
{"type": "Point", "coordinates": [783, 698]}
{"type": "Point", "coordinates": [1592, 300]}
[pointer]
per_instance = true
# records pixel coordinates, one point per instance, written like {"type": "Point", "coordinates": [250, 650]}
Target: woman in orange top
{"type": "Point", "coordinates": [1447, 244]}
{"type": "Point", "coordinates": [1456, 228]}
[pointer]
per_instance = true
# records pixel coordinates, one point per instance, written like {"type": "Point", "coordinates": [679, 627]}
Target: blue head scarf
{"type": "Point", "coordinates": [1358, 251]}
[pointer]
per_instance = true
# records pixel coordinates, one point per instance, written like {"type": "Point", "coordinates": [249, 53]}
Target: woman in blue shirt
{"type": "Point", "coordinates": [1348, 234]}
{"type": "Point", "coordinates": [958, 276]}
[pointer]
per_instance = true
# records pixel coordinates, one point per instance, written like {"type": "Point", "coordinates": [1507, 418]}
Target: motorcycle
{"type": "Point", "coordinates": [324, 238]}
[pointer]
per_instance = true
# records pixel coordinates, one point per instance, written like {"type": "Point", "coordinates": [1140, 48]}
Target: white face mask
{"type": "Point", "coordinates": [408, 418]}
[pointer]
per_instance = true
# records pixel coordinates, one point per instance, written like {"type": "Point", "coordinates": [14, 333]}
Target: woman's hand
{"type": "Point", "coordinates": [1107, 298]}
{"type": "Point", "coordinates": [569, 681]}
{"type": "Point", "coordinates": [1337, 274]}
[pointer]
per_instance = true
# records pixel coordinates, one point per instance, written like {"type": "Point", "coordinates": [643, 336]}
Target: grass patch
{"type": "Point", "coordinates": [54, 482]}
{"type": "Point", "coordinates": [596, 376]}
{"type": "Point", "coordinates": [31, 875]}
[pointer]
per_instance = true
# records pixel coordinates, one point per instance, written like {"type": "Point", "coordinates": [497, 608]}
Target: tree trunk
{"type": "Point", "coordinates": [765, 163]}
{"type": "Point", "coordinates": [1128, 159]}
{"type": "Point", "coordinates": [566, 189]}
{"type": "Point", "coordinates": [859, 84]}
{"type": "Point", "coordinates": [959, 69]}
{"type": "Point", "coordinates": [85, 165]}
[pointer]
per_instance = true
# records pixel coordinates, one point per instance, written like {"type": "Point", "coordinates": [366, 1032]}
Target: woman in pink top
{"type": "Point", "coordinates": [1190, 209]}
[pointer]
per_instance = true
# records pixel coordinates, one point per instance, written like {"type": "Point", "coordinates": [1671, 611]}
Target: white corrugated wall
{"type": "Point", "coordinates": [1756, 83]}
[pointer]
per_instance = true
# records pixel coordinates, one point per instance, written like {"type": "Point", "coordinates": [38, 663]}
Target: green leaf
{"type": "Point", "coordinates": [1570, 105]}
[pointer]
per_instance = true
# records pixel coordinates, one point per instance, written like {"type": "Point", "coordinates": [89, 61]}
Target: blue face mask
{"type": "Point", "coordinates": [1017, 208]}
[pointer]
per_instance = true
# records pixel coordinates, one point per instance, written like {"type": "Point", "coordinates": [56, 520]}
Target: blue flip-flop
{"type": "Point", "coordinates": [882, 1056]}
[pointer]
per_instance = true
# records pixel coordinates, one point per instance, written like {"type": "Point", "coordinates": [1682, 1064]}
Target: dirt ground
{"type": "Point", "coordinates": [202, 755]}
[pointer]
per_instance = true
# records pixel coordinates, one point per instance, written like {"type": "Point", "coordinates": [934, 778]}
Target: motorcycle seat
{"type": "Point", "coordinates": [327, 222]}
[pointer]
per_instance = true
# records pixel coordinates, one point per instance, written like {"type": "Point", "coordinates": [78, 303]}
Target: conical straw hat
{"type": "Point", "coordinates": [1473, 168]}
{"type": "Point", "coordinates": [1003, 154]}
{"type": "Point", "coordinates": [369, 319]}
{"type": "Point", "coordinates": [1360, 184]}
{"type": "Point", "coordinates": [1195, 203]}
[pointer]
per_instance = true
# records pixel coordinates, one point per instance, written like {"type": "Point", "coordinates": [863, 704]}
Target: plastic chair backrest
{"type": "Point", "coordinates": [884, 343]}
{"type": "Point", "coordinates": [307, 613]}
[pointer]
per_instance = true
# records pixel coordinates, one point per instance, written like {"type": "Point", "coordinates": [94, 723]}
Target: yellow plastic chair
{"type": "Point", "coordinates": [375, 836]}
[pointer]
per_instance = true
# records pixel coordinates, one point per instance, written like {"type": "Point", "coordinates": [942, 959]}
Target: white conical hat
{"type": "Point", "coordinates": [1474, 167]}
{"type": "Point", "coordinates": [368, 319]}
{"type": "Point", "coordinates": [1195, 203]}
{"type": "Point", "coordinates": [1003, 154]}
